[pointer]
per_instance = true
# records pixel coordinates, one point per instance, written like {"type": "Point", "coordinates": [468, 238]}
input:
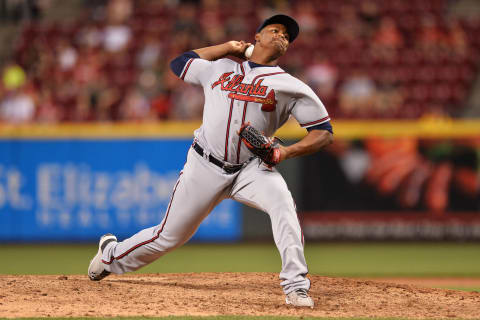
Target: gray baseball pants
{"type": "Point", "coordinates": [200, 187]}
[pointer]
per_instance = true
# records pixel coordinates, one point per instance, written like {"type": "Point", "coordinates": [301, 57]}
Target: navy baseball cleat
{"type": "Point", "coordinates": [96, 269]}
{"type": "Point", "coordinates": [299, 298]}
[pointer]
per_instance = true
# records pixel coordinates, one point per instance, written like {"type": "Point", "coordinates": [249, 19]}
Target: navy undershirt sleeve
{"type": "Point", "coordinates": [323, 126]}
{"type": "Point", "coordinates": [179, 62]}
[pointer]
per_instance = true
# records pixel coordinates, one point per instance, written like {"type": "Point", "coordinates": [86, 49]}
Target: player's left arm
{"type": "Point", "coordinates": [315, 140]}
{"type": "Point", "coordinates": [312, 115]}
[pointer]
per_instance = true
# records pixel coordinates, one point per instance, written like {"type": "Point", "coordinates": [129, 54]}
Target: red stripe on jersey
{"type": "Point", "coordinates": [247, 99]}
{"type": "Point", "coordinates": [228, 131]}
{"type": "Point", "coordinates": [186, 68]}
{"type": "Point", "coordinates": [152, 239]}
{"type": "Point", "coordinates": [315, 122]}
{"type": "Point", "coordinates": [239, 139]}
{"type": "Point", "coordinates": [266, 75]}
{"type": "Point", "coordinates": [241, 68]}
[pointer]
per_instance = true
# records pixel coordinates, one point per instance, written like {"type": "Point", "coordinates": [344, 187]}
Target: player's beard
{"type": "Point", "coordinates": [280, 47]}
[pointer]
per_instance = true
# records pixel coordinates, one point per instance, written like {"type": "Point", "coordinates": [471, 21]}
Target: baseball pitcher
{"type": "Point", "coordinates": [233, 155]}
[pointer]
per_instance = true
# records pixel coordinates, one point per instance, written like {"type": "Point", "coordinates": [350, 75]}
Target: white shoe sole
{"type": "Point", "coordinates": [96, 262]}
{"type": "Point", "coordinates": [309, 305]}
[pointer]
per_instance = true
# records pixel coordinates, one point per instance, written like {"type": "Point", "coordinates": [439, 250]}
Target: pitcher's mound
{"type": "Point", "coordinates": [223, 294]}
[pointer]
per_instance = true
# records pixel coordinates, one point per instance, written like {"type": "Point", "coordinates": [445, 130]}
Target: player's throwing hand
{"type": "Point", "coordinates": [237, 48]}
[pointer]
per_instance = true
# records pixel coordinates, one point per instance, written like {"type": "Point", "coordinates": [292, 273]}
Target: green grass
{"type": "Point", "coordinates": [396, 259]}
{"type": "Point", "coordinates": [332, 259]}
{"type": "Point", "coordinates": [470, 289]}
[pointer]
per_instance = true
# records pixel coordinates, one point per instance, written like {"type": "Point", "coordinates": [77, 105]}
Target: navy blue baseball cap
{"type": "Point", "coordinates": [290, 24]}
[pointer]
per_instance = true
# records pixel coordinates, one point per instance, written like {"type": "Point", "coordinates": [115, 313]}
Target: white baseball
{"type": "Point", "coordinates": [249, 51]}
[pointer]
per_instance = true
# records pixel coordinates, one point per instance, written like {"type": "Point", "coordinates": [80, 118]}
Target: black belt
{"type": "Point", "coordinates": [228, 168]}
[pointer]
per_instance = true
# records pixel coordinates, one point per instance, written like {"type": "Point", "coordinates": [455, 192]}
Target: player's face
{"type": "Point", "coordinates": [274, 36]}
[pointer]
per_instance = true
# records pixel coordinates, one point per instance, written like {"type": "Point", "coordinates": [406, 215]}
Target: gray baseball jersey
{"type": "Point", "coordinates": [219, 166]}
{"type": "Point", "coordinates": [237, 93]}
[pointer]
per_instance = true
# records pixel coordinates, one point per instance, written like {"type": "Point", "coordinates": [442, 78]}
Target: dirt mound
{"type": "Point", "coordinates": [223, 294]}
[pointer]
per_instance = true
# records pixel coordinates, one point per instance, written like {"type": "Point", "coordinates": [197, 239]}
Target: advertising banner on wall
{"type": "Point", "coordinates": [77, 190]}
{"type": "Point", "coordinates": [393, 188]}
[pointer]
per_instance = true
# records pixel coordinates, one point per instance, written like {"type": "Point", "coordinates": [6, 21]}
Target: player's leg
{"type": "Point", "coordinates": [199, 188]}
{"type": "Point", "coordinates": [266, 190]}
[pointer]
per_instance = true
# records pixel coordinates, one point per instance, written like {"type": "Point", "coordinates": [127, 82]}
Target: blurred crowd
{"type": "Point", "coordinates": [365, 59]}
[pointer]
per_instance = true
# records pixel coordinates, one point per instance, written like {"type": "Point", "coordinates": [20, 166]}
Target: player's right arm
{"type": "Point", "coordinates": [233, 48]}
{"type": "Point", "coordinates": [192, 66]}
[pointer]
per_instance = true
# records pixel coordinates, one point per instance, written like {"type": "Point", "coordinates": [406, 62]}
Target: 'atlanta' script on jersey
{"type": "Point", "coordinates": [234, 84]}
{"type": "Point", "coordinates": [246, 91]}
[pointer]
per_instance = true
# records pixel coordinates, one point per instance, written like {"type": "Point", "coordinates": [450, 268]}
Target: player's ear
{"type": "Point", "coordinates": [257, 37]}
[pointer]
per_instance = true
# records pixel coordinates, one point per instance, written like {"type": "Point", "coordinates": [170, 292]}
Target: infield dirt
{"type": "Point", "coordinates": [204, 294]}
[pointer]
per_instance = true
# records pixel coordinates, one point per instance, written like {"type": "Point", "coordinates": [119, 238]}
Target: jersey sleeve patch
{"type": "Point", "coordinates": [182, 63]}
{"type": "Point", "coordinates": [323, 126]}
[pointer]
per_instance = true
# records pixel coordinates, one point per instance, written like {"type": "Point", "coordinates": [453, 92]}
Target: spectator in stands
{"type": "Point", "coordinates": [89, 66]}
{"type": "Point", "coordinates": [211, 21]}
{"type": "Point", "coordinates": [13, 76]}
{"type": "Point", "coordinates": [369, 13]}
{"type": "Point", "coordinates": [90, 81]}
{"type": "Point", "coordinates": [188, 101]}
{"type": "Point", "coordinates": [117, 34]}
{"type": "Point", "coordinates": [457, 39]}
{"type": "Point", "coordinates": [119, 11]}
{"type": "Point", "coordinates": [389, 97]}
{"type": "Point", "coordinates": [357, 95]}
{"type": "Point", "coordinates": [90, 36]}
{"type": "Point", "coordinates": [48, 111]}
{"type": "Point", "coordinates": [88, 99]}
{"type": "Point", "coordinates": [66, 56]}
{"type": "Point", "coordinates": [322, 77]}
{"type": "Point", "coordinates": [18, 105]}
{"type": "Point", "coordinates": [431, 39]}
{"type": "Point", "coordinates": [236, 28]}
{"type": "Point", "coordinates": [83, 74]}
{"type": "Point", "coordinates": [387, 40]}
{"type": "Point", "coordinates": [135, 106]}
{"type": "Point", "coordinates": [349, 28]}
{"type": "Point", "coordinates": [107, 107]}
{"type": "Point", "coordinates": [311, 26]}
{"type": "Point", "coordinates": [116, 38]}
{"type": "Point", "coordinates": [151, 81]}
{"type": "Point", "coordinates": [150, 51]}
{"type": "Point", "coordinates": [185, 20]}
{"type": "Point", "coordinates": [17, 96]}
{"type": "Point", "coordinates": [162, 105]}
{"type": "Point", "coordinates": [305, 15]}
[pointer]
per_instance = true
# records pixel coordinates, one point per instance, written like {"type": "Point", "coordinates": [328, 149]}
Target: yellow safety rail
{"type": "Point", "coordinates": [425, 128]}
